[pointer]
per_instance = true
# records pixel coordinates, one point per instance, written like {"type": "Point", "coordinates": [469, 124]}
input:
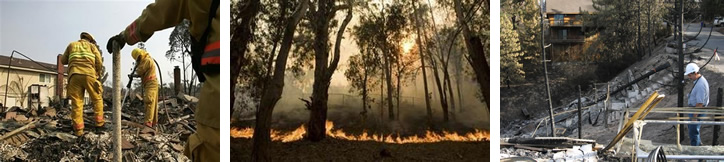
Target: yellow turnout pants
{"type": "Point", "coordinates": [150, 100]}
{"type": "Point", "coordinates": [77, 86]}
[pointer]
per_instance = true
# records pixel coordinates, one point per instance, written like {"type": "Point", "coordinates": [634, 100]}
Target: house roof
{"type": "Point", "coordinates": [569, 6]}
{"type": "Point", "coordinates": [24, 63]}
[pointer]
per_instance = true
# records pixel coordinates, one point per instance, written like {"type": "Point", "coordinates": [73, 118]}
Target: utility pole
{"type": "Point", "coordinates": [680, 40]}
{"type": "Point", "coordinates": [638, 30]}
{"type": "Point", "coordinates": [545, 67]}
{"type": "Point", "coordinates": [680, 45]}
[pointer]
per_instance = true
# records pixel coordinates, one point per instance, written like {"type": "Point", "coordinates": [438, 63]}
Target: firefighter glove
{"type": "Point", "coordinates": [115, 39]}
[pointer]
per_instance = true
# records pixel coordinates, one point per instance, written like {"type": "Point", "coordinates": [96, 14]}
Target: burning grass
{"type": "Point", "coordinates": [429, 137]}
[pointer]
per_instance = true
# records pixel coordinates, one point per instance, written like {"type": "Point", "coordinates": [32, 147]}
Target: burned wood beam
{"type": "Point", "coordinates": [172, 121]}
{"type": "Point", "coordinates": [19, 130]}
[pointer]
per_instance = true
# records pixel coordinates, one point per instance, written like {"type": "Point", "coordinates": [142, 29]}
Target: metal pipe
{"type": "Point", "coordinates": [117, 154]}
{"type": "Point", "coordinates": [7, 79]}
{"type": "Point", "coordinates": [683, 122]}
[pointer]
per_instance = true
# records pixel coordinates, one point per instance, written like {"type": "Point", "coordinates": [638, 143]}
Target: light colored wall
{"type": "Point", "coordinates": [29, 77]}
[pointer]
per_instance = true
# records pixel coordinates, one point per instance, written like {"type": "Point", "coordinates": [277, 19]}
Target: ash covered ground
{"type": "Point", "coordinates": [45, 134]}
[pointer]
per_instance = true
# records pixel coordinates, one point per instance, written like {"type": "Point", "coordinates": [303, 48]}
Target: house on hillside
{"type": "Point", "coordinates": [566, 29]}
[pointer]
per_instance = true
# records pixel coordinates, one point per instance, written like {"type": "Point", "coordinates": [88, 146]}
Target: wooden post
{"type": "Point", "coordinates": [715, 137]}
{"type": "Point", "coordinates": [595, 104]}
{"type": "Point", "coordinates": [605, 104]}
{"type": "Point", "coordinates": [678, 136]}
{"type": "Point", "coordinates": [117, 155]}
{"type": "Point", "coordinates": [580, 128]}
{"type": "Point", "coordinates": [623, 119]}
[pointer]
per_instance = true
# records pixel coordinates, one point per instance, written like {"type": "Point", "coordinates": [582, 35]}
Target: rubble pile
{"type": "Point", "coordinates": [46, 134]}
{"type": "Point", "coordinates": [549, 148]}
{"type": "Point", "coordinates": [593, 112]}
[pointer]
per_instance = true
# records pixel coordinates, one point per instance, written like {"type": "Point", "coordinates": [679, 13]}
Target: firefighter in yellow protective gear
{"type": "Point", "coordinates": [204, 16]}
{"type": "Point", "coordinates": [84, 67]}
{"type": "Point", "coordinates": [146, 70]}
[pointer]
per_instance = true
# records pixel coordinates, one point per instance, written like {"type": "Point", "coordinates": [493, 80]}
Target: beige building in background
{"type": "Point", "coordinates": [36, 81]}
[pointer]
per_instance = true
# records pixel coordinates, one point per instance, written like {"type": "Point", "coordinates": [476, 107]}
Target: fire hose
{"type": "Point", "coordinates": [621, 88]}
{"type": "Point", "coordinates": [155, 120]}
{"type": "Point", "coordinates": [656, 155]}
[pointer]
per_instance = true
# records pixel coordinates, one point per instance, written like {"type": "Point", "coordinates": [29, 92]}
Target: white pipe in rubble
{"type": "Point", "coordinates": [683, 122]}
{"type": "Point", "coordinates": [117, 156]}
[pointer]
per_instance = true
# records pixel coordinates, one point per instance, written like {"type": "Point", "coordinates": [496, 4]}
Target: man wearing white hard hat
{"type": "Point", "coordinates": [698, 97]}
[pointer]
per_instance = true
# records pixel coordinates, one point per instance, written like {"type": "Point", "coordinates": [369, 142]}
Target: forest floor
{"type": "Point", "coordinates": [331, 149]}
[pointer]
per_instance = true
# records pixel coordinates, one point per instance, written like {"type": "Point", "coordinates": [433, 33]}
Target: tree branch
{"type": "Point", "coordinates": [340, 33]}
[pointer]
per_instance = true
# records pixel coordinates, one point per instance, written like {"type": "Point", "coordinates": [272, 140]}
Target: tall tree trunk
{"type": "Point", "coordinates": [422, 61]}
{"type": "Point", "coordinates": [322, 71]}
{"type": "Point", "coordinates": [364, 85]}
{"type": "Point", "coordinates": [440, 91]}
{"type": "Point", "coordinates": [448, 82]}
{"type": "Point", "coordinates": [276, 39]}
{"type": "Point", "coordinates": [450, 92]}
{"type": "Point", "coordinates": [239, 52]}
{"type": "Point", "coordinates": [364, 93]}
{"type": "Point", "coordinates": [434, 63]}
{"type": "Point", "coordinates": [388, 81]}
{"type": "Point", "coordinates": [387, 71]}
{"type": "Point", "coordinates": [273, 92]}
{"type": "Point", "coordinates": [458, 77]}
{"type": "Point", "coordinates": [382, 98]}
{"type": "Point", "coordinates": [398, 88]}
{"type": "Point", "coordinates": [476, 53]}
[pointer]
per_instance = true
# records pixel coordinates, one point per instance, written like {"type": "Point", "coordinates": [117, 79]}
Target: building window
{"type": "Point", "coordinates": [45, 78]}
{"type": "Point", "coordinates": [558, 18]}
{"type": "Point", "coordinates": [563, 34]}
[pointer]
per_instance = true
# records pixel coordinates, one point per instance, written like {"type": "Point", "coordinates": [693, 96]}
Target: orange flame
{"type": "Point", "coordinates": [429, 137]}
